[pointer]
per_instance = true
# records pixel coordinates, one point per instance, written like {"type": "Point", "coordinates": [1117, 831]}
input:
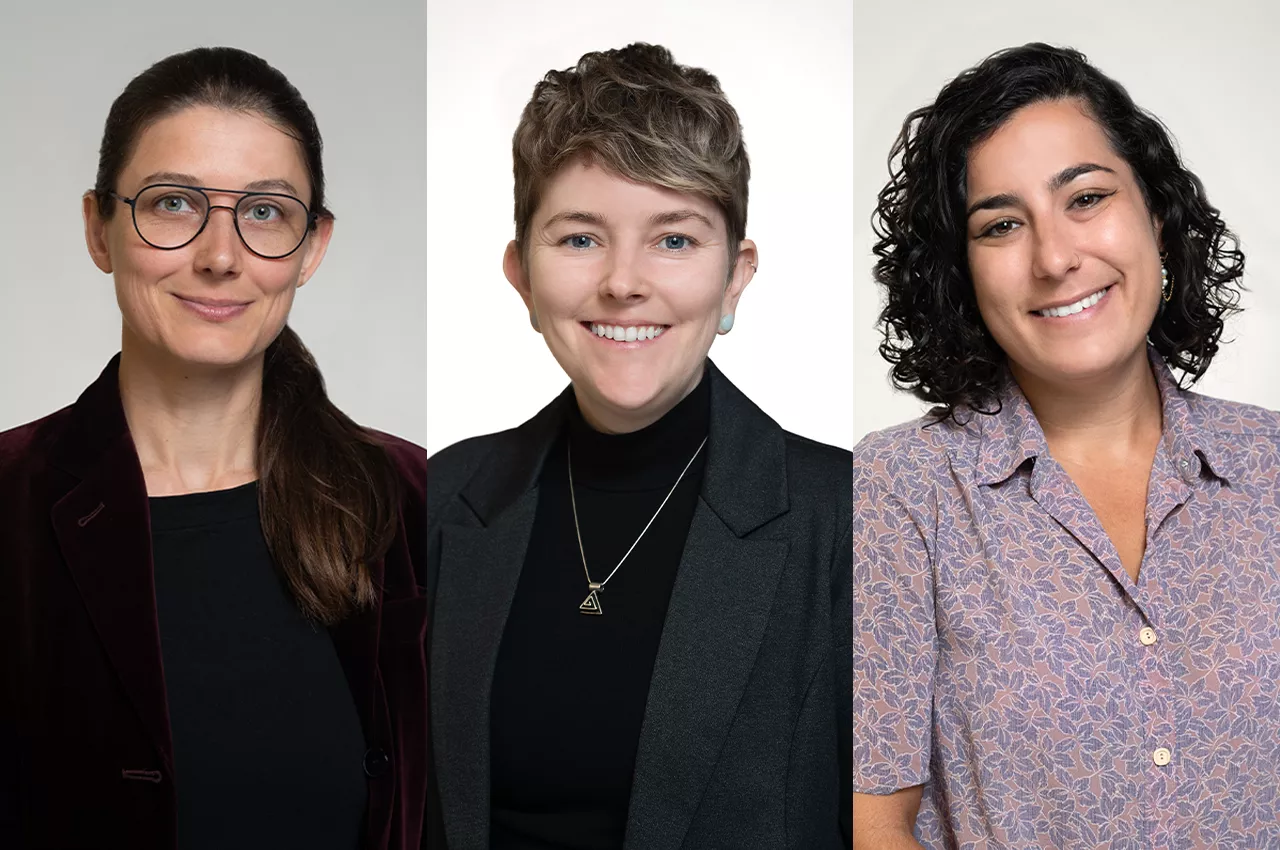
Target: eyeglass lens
{"type": "Point", "coordinates": [171, 216]}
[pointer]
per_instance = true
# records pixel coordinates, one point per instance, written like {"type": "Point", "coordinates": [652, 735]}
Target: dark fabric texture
{"type": "Point", "coordinates": [267, 745]}
{"type": "Point", "coordinates": [569, 689]}
{"type": "Point", "coordinates": [83, 702]}
{"type": "Point", "coordinates": [745, 737]}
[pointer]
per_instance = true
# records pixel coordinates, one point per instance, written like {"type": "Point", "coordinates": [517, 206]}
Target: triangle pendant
{"type": "Point", "coordinates": [590, 605]}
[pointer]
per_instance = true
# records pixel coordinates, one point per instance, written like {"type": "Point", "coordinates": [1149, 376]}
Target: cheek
{"type": "Point", "coordinates": [996, 277]}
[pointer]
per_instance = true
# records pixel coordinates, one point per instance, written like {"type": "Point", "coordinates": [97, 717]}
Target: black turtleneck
{"type": "Point", "coordinates": [569, 689]}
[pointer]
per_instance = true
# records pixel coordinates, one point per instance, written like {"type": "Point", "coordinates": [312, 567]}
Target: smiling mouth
{"type": "Point", "coordinates": [1086, 303]}
{"type": "Point", "coordinates": [625, 333]}
{"type": "Point", "coordinates": [214, 310]}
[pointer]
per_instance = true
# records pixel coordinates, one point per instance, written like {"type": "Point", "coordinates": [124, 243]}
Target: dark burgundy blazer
{"type": "Point", "coordinates": [85, 744]}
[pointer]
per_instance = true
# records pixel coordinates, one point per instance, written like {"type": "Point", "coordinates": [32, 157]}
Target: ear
{"type": "Point", "coordinates": [317, 245]}
{"type": "Point", "coordinates": [1158, 226]}
{"type": "Point", "coordinates": [513, 268]}
{"type": "Point", "coordinates": [95, 231]}
{"type": "Point", "coordinates": [744, 269]}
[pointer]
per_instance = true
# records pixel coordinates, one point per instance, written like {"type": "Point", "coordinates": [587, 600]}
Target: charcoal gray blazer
{"type": "Point", "coordinates": [745, 742]}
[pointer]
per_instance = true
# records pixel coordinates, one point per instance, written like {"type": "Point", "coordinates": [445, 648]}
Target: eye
{"type": "Point", "coordinates": [677, 242]}
{"type": "Point", "coordinates": [578, 241]}
{"type": "Point", "coordinates": [1003, 227]}
{"type": "Point", "coordinates": [1086, 200]}
{"type": "Point", "coordinates": [173, 204]}
{"type": "Point", "coordinates": [260, 212]}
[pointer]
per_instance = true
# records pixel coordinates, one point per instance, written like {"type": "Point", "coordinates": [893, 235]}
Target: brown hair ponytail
{"type": "Point", "coordinates": [327, 488]}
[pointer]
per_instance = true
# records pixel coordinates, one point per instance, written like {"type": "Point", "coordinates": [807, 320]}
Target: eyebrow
{"type": "Point", "coordinates": [1056, 182]}
{"type": "Point", "coordinates": [597, 220]}
{"type": "Point", "coordinates": [277, 184]}
{"type": "Point", "coordinates": [677, 216]}
{"type": "Point", "coordinates": [576, 216]}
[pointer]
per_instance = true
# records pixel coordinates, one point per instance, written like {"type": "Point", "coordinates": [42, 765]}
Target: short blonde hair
{"type": "Point", "coordinates": [638, 114]}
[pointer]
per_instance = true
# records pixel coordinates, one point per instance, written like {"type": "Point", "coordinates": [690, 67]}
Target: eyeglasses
{"type": "Point", "coordinates": [170, 216]}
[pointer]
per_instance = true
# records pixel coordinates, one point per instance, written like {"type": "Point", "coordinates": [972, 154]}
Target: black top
{"type": "Point", "coordinates": [267, 743]}
{"type": "Point", "coordinates": [569, 689]}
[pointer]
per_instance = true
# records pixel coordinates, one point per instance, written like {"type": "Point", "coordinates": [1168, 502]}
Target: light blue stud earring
{"type": "Point", "coordinates": [533, 320]}
{"type": "Point", "coordinates": [726, 323]}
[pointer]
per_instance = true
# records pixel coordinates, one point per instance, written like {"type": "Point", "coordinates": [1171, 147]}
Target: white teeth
{"type": "Point", "coordinates": [632, 333]}
{"type": "Point", "coordinates": [1071, 309]}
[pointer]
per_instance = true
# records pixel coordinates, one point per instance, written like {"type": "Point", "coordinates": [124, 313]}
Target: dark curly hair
{"type": "Point", "coordinates": [934, 336]}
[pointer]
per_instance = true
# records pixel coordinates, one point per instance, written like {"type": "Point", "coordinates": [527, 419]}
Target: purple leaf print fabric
{"type": "Point", "coordinates": [1003, 658]}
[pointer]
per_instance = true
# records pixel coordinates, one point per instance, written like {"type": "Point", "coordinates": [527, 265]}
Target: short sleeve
{"type": "Point", "coordinates": [894, 631]}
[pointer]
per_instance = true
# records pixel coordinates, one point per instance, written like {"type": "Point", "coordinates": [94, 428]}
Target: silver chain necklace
{"type": "Point", "coordinates": [591, 605]}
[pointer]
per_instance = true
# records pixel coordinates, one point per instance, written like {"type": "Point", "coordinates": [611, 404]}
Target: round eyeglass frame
{"type": "Point", "coordinates": [312, 217]}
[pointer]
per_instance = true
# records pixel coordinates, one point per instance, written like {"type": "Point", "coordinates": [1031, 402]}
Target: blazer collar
{"type": "Point", "coordinates": [104, 535]}
{"type": "Point", "coordinates": [744, 496]}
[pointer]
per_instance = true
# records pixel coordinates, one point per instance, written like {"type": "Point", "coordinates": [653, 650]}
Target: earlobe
{"type": "Point", "coordinates": [95, 232]}
{"type": "Point", "coordinates": [513, 268]}
{"type": "Point", "coordinates": [317, 246]}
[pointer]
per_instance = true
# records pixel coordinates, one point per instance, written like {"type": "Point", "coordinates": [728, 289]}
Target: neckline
{"type": "Point", "coordinates": [649, 458]}
{"type": "Point", "coordinates": [197, 510]}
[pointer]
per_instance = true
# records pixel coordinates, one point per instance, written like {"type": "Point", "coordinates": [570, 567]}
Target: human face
{"type": "Point", "coordinates": [606, 253]}
{"type": "Point", "coordinates": [211, 303]}
{"type": "Point", "coordinates": [1056, 219]}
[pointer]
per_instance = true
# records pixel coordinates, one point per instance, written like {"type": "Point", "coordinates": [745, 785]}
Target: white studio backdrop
{"type": "Point", "coordinates": [362, 69]}
{"type": "Point", "coordinates": [788, 70]}
{"type": "Point", "coordinates": [1211, 77]}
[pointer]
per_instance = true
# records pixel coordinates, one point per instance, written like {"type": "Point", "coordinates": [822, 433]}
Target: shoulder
{"type": "Point", "coordinates": [409, 461]}
{"type": "Point", "coordinates": [453, 466]}
{"type": "Point", "coordinates": [1233, 418]}
{"type": "Point", "coordinates": [1242, 440]}
{"type": "Point", "coordinates": [814, 464]}
{"type": "Point", "coordinates": [24, 450]}
{"type": "Point", "coordinates": [906, 453]}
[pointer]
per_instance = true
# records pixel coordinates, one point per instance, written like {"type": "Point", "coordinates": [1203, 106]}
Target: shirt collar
{"type": "Point", "coordinates": [1012, 435]}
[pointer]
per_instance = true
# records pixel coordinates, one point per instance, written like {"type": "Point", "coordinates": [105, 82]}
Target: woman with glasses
{"type": "Point", "coordinates": [1067, 600]}
{"type": "Point", "coordinates": [640, 597]}
{"type": "Point", "coordinates": [211, 622]}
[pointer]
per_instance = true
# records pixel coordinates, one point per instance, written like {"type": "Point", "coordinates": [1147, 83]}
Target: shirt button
{"type": "Point", "coordinates": [1161, 756]}
{"type": "Point", "coordinates": [376, 762]}
{"type": "Point", "coordinates": [1147, 636]}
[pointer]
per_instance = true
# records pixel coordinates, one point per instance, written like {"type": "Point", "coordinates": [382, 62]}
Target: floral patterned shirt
{"type": "Point", "coordinates": [1004, 659]}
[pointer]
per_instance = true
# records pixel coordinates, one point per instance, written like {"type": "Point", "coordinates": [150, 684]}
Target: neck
{"type": "Point", "coordinates": [195, 429]}
{"type": "Point", "coordinates": [1101, 419]}
{"type": "Point", "coordinates": [608, 419]}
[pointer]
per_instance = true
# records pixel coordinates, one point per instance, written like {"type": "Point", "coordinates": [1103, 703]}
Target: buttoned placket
{"type": "Point", "coordinates": [1155, 760]}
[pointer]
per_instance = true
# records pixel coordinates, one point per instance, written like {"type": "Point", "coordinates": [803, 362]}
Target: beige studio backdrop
{"type": "Point", "coordinates": [362, 69]}
{"type": "Point", "coordinates": [786, 68]}
{"type": "Point", "coordinates": [1208, 71]}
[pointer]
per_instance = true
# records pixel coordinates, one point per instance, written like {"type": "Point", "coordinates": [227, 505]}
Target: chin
{"type": "Point", "coordinates": [213, 354]}
{"type": "Point", "coordinates": [1090, 361]}
{"type": "Point", "coordinates": [629, 397]}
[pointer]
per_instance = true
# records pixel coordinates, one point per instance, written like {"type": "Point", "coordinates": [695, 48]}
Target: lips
{"type": "Point", "coordinates": [213, 309]}
{"type": "Point", "coordinates": [1071, 308]}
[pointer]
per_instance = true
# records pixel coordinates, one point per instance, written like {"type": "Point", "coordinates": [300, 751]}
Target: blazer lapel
{"type": "Point", "coordinates": [104, 533]}
{"type": "Point", "coordinates": [715, 622]}
{"type": "Point", "coordinates": [481, 554]}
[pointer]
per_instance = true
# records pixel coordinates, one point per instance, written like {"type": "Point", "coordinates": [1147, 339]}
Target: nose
{"type": "Point", "coordinates": [1054, 253]}
{"type": "Point", "coordinates": [623, 280]}
{"type": "Point", "coordinates": [218, 249]}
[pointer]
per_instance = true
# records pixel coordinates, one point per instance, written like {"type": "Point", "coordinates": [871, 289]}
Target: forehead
{"type": "Point", "coordinates": [225, 149]}
{"type": "Point", "coordinates": [1037, 142]}
{"type": "Point", "coordinates": [585, 186]}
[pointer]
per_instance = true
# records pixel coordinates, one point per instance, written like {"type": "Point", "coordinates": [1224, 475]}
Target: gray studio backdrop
{"type": "Point", "coordinates": [362, 68]}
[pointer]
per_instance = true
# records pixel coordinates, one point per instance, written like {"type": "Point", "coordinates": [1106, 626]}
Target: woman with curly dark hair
{"type": "Point", "coordinates": [1065, 576]}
